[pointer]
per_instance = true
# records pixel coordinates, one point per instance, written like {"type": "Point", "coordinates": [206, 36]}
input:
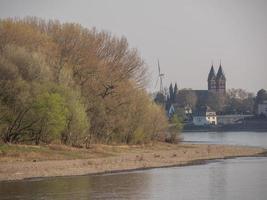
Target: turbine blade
{"type": "Point", "coordinates": [158, 67]}
{"type": "Point", "coordinates": [156, 83]}
{"type": "Point", "coordinates": [161, 84]}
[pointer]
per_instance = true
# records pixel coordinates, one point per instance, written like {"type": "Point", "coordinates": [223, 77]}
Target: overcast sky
{"type": "Point", "coordinates": [186, 35]}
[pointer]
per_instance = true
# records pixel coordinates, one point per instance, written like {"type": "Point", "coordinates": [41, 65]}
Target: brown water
{"type": "Point", "coordinates": [237, 179]}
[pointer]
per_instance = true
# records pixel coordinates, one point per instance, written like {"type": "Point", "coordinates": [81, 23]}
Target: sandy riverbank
{"type": "Point", "coordinates": [114, 158]}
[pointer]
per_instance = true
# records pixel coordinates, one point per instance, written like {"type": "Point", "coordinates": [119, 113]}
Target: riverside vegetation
{"type": "Point", "coordinates": [63, 83]}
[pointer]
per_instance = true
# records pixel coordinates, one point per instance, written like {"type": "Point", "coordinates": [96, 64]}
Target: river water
{"type": "Point", "coordinates": [257, 139]}
{"type": "Point", "coordinates": [237, 179]}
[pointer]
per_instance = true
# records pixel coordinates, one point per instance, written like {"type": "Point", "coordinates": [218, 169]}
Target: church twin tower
{"type": "Point", "coordinates": [216, 82]}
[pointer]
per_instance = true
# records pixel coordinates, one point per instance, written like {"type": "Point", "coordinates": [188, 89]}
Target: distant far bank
{"type": "Point", "coordinates": [246, 125]}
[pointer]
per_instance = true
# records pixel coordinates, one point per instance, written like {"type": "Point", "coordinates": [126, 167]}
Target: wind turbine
{"type": "Point", "coordinates": [160, 78]}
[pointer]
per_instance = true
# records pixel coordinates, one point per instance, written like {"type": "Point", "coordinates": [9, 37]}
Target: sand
{"type": "Point", "coordinates": [132, 158]}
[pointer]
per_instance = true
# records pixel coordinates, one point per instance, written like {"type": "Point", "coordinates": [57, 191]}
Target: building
{"type": "Point", "coordinates": [212, 80]}
{"type": "Point", "coordinates": [189, 99]}
{"type": "Point", "coordinates": [205, 116]}
{"type": "Point", "coordinates": [216, 87]}
{"type": "Point", "coordinates": [216, 82]}
{"type": "Point", "coordinates": [187, 110]}
{"type": "Point", "coordinates": [262, 108]}
{"type": "Point", "coordinates": [231, 119]}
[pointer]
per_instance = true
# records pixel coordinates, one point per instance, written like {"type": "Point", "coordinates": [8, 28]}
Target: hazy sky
{"type": "Point", "coordinates": [186, 35]}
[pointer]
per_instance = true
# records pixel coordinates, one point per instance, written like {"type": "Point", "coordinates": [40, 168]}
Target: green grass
{"type": "Point", "coordinates": [59, 152]}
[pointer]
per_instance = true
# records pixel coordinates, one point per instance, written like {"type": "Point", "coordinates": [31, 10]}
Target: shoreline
{"type": "Point", "coordinates": [222, 130]}
{"type": "Point", "coordinates": [133, 159]}
{"type": "Point", "coordinates": [191, 163]}
{"type": "Point", "coordinates": [257, 125]}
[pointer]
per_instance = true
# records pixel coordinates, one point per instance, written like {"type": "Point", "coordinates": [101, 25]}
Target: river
{"type": "Point", "coordinates": [237, 179]}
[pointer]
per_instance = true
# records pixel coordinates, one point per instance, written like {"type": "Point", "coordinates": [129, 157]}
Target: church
{"type": "Point", "coordinates": [204, 115]}
{"type": "Point", "coordinates": [216, 82]}
{"type": "Point", "coordinates": [216, 87]}
{"type": "Point", "coordinates": [196, 100]}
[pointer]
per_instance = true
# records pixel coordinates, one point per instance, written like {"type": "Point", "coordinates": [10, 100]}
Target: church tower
{"type": "Point", "coordinates": [216, 82]}
{"type": "Point", "coordinates": [220, 81]}
{"type": "Point", "coordinates": [212, 80]}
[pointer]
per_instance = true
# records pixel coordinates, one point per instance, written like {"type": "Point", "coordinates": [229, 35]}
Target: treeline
{"type": "Point", "coordinates": [64, 82]}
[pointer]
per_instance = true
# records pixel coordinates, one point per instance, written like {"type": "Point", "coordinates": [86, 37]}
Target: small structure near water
{"type": "Point", "coordinates": [205, 116]}
{"type": "Point", "coordinates": [231, 119]}
{"type": "Point", "coordinates": [262, 108]}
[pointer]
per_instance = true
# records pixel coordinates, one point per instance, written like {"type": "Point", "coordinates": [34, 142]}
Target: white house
{"type": "Point", "coordinates": [188, 110]}
{"type": "Point", "coordinates": [262, 108]}
{"type": "Point", "coordinates": [205, 116]}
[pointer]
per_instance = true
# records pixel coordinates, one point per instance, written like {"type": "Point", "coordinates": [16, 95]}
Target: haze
{"type": "Point", "coordinates": [185, 35]}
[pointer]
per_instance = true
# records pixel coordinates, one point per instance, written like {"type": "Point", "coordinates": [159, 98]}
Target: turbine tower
{"type": "Point", "coordinates": [160, 78]}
